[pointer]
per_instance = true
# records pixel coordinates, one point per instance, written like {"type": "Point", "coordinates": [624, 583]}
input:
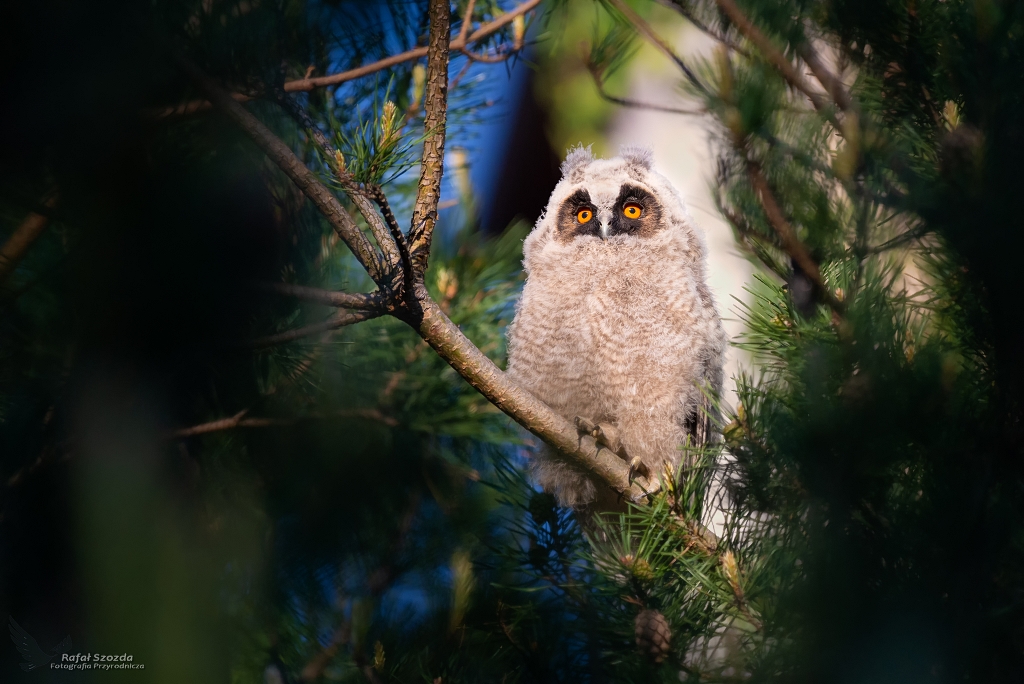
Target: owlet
{"type": "Point", "coordinates": [616, 329]}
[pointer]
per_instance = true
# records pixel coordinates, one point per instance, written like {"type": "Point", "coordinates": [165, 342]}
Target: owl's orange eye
{"type": "Point", "coordinates": [584, 215]}
{"type": "Point", "coordinates": [632, 211]}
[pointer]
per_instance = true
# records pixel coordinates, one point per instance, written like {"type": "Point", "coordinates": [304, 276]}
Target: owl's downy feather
{"type": "Point", "coordinates": [616, 323]}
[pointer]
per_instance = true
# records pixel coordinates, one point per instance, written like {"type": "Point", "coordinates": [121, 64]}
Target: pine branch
{"type": "Point", "coordinates": [359, 196]}
{"type": "Point", "coordinates": [338, 320]}
{"type": "Point", "coordinates": [286, 160]}
{"type": "Point", "coordinates": [424, 213]}
{"type": "Point", "coordinates": [417, 308]}
{"type": "Point", "coordinates": [680, 7]}
{"type": "Point", "coordinates": [825, 77]}
{"type": "Point", "coordinates": [792, 245]}
{"type": "Point", "coordinates": [240, 421]}
{"type": "Point", "coordinates": [17, 245]}
{"type": "Point", "coordinates": [772, 54]}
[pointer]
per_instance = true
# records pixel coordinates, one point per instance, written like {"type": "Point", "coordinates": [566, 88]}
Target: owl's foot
{"type": "Point", "coordinates": [605, 434]}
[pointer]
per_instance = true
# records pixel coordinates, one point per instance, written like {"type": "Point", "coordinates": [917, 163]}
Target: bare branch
{"type": "Point", "coordinates": [14, 250]}
{"type": "Point", "coordinates": [467, 20]}
{"type": "Point", "coordinates": [435, 115]}
{"type": "Point", "coordinates": [345, 300]}
{"type": "Point", "coordinates": [484, 31]}
{"type": "Point", "coordinates": [307, 84]}
{"type": "Point", "coordinates": [240, 421]}
{"type": "Point", "coordinates": [771, 53]}
{"type": "Point", "coordinates": [286, 160]}
{"type": "Point", "coordinates": [338, 320]}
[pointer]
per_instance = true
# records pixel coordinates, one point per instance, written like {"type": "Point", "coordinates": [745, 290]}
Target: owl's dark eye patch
{"type": "Point", "coordinates": [636, 212]}
{"type": "Point", "coordinates": [575, 214]}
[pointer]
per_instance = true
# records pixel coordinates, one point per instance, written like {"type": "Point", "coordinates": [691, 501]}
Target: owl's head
{"type": "Point", "coordinates": [612, 204]}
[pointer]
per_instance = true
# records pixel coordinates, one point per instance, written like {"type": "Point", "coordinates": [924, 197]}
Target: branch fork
{"type": "Point", "coordinates": [398, 263]}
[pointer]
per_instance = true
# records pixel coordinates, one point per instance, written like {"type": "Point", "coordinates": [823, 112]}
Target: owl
{"type": "Point", "coordinates": [616, 328]}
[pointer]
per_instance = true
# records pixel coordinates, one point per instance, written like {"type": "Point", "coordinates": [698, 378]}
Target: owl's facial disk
{"type": "Point", "coordinates": [633, 212]}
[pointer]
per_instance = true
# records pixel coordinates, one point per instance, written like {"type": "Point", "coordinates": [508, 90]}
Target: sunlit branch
{"type": "Point", "coordinates": [356, 193]}
{"type": "Point", "coordinates": [428, 193]}
{"type": "Point", "coordinates": [307, 84]}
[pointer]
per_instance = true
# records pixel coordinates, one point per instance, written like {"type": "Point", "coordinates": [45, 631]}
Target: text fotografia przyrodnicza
{"type": "Point", "coordinates": [96, 661]}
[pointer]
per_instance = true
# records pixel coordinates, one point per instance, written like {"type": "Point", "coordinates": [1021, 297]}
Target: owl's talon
{"type": "Point", "coordinates": [638, 467]}
{"type": "Point", "coordinates": [608, 436]}
{"type": "Point", "coordinates": [584, 426]}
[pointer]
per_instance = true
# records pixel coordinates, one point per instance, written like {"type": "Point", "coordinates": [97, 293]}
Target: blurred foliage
{"type": "Point", "coordinates": [367, 517]}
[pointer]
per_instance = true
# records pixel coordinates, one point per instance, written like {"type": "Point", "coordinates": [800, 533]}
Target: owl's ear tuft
{"type": "Point", "coordinates": [637, 156]}
{"type": "Point", "coordinates": [576, 161]}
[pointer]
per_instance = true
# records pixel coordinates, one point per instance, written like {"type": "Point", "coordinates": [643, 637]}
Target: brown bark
{"type": "Point", "coordinates": [17, 245]}
{"type": "Point", "coordinates": [424, 214]}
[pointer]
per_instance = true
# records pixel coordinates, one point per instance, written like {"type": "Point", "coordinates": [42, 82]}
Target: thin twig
{"type": "Point", "coordinates": [286, 160]}
{"type": "Point", "coordinates": [656, 40]}
{"type": "Point", "coordinates": [621, 101]}
{"type": "Point", "coordinates": [308, 84]}
{"type": "Point", "coordinates": [240, 421]}
{"type": "Point", "coordinates": [679, 6]}
{"type": "Point", "coordinates": [338, 320]}
{"type": "Point", "coordinates": [428, 194]}
{"type": "Point", "coordinates": [17, 245]}
{"type": "Point", "coordinates": [416, 53]}
{"type": "Point", "coordinates": [356, 193]}
{"type": "Point", "coordinates": [345, 300]}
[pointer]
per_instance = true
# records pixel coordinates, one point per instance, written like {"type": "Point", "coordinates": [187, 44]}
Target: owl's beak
{"type": "Point", "coordinates": [606, 224]}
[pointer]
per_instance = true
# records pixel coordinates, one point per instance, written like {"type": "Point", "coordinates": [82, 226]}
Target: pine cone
{"type": "Point", "coordinates": [653, 636]}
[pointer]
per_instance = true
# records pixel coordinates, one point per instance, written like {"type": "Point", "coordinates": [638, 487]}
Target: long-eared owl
{"type": "Point", "coordinates": [616, 328]}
